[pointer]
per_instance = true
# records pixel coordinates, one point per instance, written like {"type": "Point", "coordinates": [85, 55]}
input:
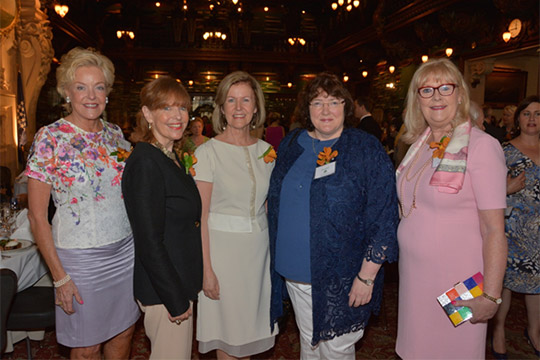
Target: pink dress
{"type": "Point", "coordinates": [439, 245]}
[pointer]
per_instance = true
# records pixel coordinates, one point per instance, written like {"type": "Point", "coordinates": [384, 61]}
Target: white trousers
{"type": "Point", "coordinates": [340, 347]}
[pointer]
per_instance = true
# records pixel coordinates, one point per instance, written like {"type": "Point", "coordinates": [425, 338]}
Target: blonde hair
{"type": "Point", "coordinates": [77, 57]}
{"type": "Point", "coordinates": [218, 118]}
{"type": "Point", "coordinates": [441, 70]}
{"type": "Point", "coordinates": [161, 92]}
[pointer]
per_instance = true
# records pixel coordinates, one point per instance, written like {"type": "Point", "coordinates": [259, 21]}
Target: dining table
{"type": "Point", "coordinates": [31, 270]}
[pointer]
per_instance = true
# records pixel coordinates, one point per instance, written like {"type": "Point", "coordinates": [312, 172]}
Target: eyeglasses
{"type": "Point", "coordinates": [445, 90]}
{"type": "Point", "coordinates": [334, 104]}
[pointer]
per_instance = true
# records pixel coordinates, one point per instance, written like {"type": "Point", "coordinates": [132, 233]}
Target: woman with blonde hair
{"type": "Point", "coordinates": [80, 160]}
{"type": "Point", "coordinates": [453, 173]}
{"type": "Point", "coordinates": [232, 175]}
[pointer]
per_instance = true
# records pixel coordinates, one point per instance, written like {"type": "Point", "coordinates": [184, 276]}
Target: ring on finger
{"type": "Point", "coordinates": [178, 322]}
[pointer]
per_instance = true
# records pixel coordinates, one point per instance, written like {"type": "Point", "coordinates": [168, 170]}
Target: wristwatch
{"type": "Point", "coordinates": [368, 282]}
{"type": "Point", "coordinates": [497, 301]}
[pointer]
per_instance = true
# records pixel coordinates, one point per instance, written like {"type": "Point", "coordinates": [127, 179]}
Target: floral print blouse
{"type": "Point", "coordinates": [85, 172]}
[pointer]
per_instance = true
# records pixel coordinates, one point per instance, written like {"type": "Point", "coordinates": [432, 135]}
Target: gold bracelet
{"type": "Point", "coordinates": [61, 282]}
{"type": "Point", "coordinates": [497, 301]}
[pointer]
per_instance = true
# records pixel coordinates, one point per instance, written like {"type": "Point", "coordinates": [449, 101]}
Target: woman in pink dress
{"type": "Point", "coordinates": [451, 187]}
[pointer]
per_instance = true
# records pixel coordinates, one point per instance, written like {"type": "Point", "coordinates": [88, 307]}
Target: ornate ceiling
{"type": "Point", "coordinates": [169, 38]}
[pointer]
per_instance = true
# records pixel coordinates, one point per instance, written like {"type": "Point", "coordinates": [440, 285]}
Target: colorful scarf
{"type": "Point", "coordinates": [450, 173]}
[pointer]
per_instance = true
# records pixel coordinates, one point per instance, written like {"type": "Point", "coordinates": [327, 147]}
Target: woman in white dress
{"type": "Point", "coordinates": [233, 176]}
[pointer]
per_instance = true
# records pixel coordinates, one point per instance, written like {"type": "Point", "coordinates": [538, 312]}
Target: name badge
{"type": "Point", "coordinates": [124, 144]}
{"type": "Point", "coordinates": [325, 170]}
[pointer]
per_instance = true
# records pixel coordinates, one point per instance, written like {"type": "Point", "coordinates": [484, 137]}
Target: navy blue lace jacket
{"type": "Point", "coordinates": [354, 216]}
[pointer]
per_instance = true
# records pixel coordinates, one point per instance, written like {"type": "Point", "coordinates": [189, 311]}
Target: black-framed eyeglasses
{"type": "Point", "coordinates": [445, 90]}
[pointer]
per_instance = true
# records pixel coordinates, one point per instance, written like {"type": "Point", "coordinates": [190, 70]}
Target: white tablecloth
{"type": "Point", "coordinates": [30, 268]}
{"type": "Point", "coordinates": [26, 263]}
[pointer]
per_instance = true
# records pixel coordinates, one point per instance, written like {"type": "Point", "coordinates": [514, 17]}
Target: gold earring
{"type": "Point", "coordinates": [149, 126]}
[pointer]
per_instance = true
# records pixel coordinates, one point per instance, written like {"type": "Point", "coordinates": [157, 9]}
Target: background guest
{"type": "Point", "coordinates": [477, 115]}
{"type": "Point", "coordinates": [274, 132]}
{"type": "Point", "coordinates": [196, 138]}
{"type": "Point", "coordinates": [164, 209]}
{"type": "Point", "coordinates": [367, 122]}
{"type": "Point", "coordinates": [232, 177]}
{"type": "Point", "coordinates": [332, 226]}
{"type": "Point", "coordinates": [434, 253]}
{"type": "Point", "coordinates": [90, 248]}
{"type": "Point", "coordinates": [522, 225]}
{"type": "Point", "coordinates": [507, 121]}
{"type": "Point", "coordinates": [490, 124]}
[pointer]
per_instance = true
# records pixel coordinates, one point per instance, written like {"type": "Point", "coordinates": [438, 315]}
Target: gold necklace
{"type": "Point", "coordinates": [167, 153]}
{"type": "Point", "coordinates": [418, 175]}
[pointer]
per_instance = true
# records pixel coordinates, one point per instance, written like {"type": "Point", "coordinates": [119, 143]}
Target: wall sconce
{"type": "Point", "coordinates": [449, 52]}
{"type": "Point", "coordinates": [425, 58]}
{"type": "Point", "coordinates": [122, 33]}
{"type": "Point", "coordinates": [158, 4]}
{"type": "Point", "coordinates": [289, 84]}
{"type": "Point", "coordinates": [266, 9]}
{"type": "Point", "coordinates": [235, 2]}
{"type": "Point", "coordinates": [190, 82]}
{"type": "Point", "coordinates": [61, 10]}
{"type": "Point", "coordinates": [392, 68]}
{"type": "Point", "coordinates": [218, 35]}
{"type": "Point", "coordinates": [364, 73]}
{"type": "Point", "coordinates": [345, 78]}
{"type": "Point", "coordinates": [293, 40]}
{"type": "Point", "coordinates": [506, 36]}
{"type": "Point", "coordinates": [350, 4]}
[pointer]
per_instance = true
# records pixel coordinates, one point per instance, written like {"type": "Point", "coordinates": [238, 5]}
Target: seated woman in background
{"type": "Point", "coordinates": [274, 132]}
{"type": "Point", "coordinates": [164, 209]}
{"type": "Point", "coordinates": [196, 138]}
{"type": "Point", "coordinates": [522, 225]}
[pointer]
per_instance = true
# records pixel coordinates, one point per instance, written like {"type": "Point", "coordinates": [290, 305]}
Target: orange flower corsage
{"type": "Point", "coordinates": [440, 147]}
{"type": "Point", "coordinates": [188, 160]}
{"type": "Point", "coordinates": [269, 155]}
{"type": "Point", "coordinates": [326, 156]}
{"type": "Point", "coordinates": [121, 154]}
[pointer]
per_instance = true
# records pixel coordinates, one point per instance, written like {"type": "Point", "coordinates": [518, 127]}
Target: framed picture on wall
{"type": "Point", "coordinates": [505, 87]}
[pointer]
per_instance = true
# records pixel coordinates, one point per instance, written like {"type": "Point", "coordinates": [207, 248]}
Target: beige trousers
{"type": "Point", "coordinates": [168, 339]}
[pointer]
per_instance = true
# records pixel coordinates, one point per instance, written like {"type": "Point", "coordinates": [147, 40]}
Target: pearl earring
{"type": "Point", "coordinates": [149, 126]}
{"type": "Point", "coordinates": [68, 100]}
{"type": "Point", "coordinates": [106, 100]}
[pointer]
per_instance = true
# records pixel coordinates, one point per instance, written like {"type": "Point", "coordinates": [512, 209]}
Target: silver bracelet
{"type": "Point", "coordinates": [61, 282]}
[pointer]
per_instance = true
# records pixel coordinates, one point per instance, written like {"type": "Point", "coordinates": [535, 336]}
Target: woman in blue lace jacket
{"type": "Point", "coordinates": [332, 220]}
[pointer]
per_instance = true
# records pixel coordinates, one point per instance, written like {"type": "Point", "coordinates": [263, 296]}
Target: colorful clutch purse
{"type": "Point", "coordinates": [466, 290]}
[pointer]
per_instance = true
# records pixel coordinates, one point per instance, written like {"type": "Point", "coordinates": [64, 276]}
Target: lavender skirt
{"type": "Point", "coordinates": [104, 278]}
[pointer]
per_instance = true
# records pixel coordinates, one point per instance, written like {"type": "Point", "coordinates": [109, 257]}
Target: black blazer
{"type": "Point", "coordinates": [164, 209]}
